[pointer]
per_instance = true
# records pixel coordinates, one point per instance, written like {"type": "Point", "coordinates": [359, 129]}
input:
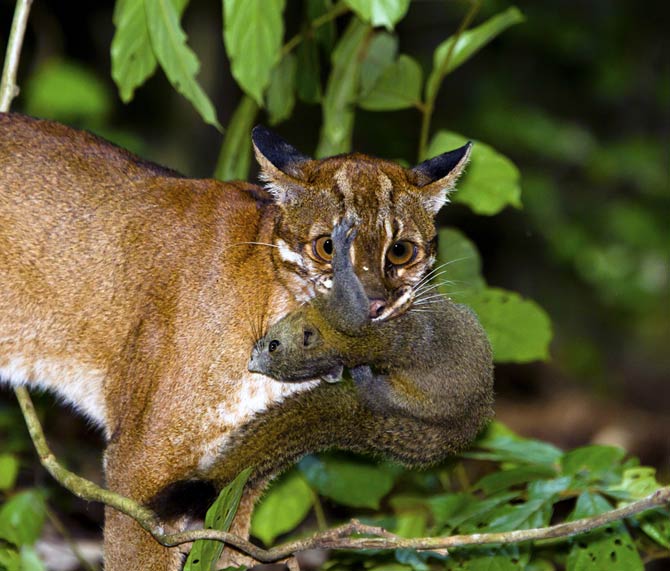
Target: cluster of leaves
{"type": "Point", "coordinates": [534, 485]}
{"type": "Point", "coordinates": [22, 517]}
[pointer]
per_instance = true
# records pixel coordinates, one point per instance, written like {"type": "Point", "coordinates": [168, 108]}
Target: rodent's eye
{"type": "Point", "coordinates": [323, 248]}
{"type": "Point", "coordinates": [401, 252]}
{"type": "Point", "coordinates": [272, 347]}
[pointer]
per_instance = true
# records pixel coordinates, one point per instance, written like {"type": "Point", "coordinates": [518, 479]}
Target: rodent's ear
{"type": "Point", "coordinates": [437, 177]}
{"type": "Point", "coordinates": [310, 337]}
{"type": "Point", "coordinates": [281, 163]}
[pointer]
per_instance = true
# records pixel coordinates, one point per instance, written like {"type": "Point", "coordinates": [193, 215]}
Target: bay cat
{"type": "Point", "coordinates": [136, 294]}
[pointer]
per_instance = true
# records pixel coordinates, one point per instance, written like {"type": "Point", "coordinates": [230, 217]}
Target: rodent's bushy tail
{"type": "Point", "coordinates": [332, 416]}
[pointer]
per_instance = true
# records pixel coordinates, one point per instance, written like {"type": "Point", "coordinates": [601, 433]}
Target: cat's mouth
{"type": "Point", "coordinates": [400, 304]}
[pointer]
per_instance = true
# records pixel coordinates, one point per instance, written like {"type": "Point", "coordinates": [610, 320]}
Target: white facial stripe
{"type": "Point", "coordinates": [343, 180]}
{"type": "Point", "coordinates": [289, 255]}
{"type": "Point", "coordinates": [384, 198]}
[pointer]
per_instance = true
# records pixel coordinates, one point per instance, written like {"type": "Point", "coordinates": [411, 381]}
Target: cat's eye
{"type": "Point", "coordinates": [401, 252]}
{"type": "Point", "coordinates": [323, 248]}
{"type": "Point", "coordinates": [273, 346]}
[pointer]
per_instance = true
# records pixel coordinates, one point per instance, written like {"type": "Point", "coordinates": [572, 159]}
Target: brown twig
{"type": "Point", "coordinates": [346, 536]}
{"type": "Point", "coordinates": [8, 88]}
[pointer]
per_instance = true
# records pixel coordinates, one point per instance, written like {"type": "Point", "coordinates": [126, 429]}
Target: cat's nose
{"type": "Point", "coordinates": [377, 307]}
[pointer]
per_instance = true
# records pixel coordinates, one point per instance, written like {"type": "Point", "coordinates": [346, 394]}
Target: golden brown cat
{"type": "Point", "coordinates": [136, 295]}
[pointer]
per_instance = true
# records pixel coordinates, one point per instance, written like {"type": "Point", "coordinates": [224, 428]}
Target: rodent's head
{"type": "Point", "coordinates": [293, 350]}
{"type": "Point", "coordinates": [394, 207]}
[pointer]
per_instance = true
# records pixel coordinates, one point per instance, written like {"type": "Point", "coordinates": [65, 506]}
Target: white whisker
{"type": "Point", "coordinates": [255, 243]}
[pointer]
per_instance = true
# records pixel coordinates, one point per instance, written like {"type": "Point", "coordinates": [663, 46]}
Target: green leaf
{"type": "Point", "coordinates": [459, 260]}
{"type": "Point", "coordinates": [22, 517]}
{"type": "Point", "coordinates": [66, 91]}
{"type": "Point", "coordinates": [549, 490]}
{"type": "Point", "coordinates": [533, 513]}
{"type": "Point", "coordinates": [636, 483]}
{"type": "Point", "coordinates": [385, 13]}
{"type": "Point", "coordinates": [490, 182]}
{"type": "Point", "coordinates": [656, 524]}
{"type": "Point", "coordinates": [445, 506]}
{"type": "Point", "coordinates": [338, 112]}
{"type": "Point", "coordinates": [10, 559]}
{"type": "Point", "coordinates": [593, 462]}
{"type": "Point", "coordinates": [30, 560]}
{"type": "Point", "coordinates": [9, 468]}
{"type": "Point", "coordinates": [519, 329]}
{"type": "Point", "coordinates": [280, 97]}
{"type": "Point", "coordinates": [204, 554]}
{"type": "Point", "coordinates": [235, 155]}
{"type": "Point", "coordinates": [476, 514]}
{"type": "Point", "coordinates": [607, 549]}
{"type": "Point", "coordinates": [589, 504]}
{"type": "Point", "coordinates": [253, 31]}
{"type": "Point", "coordinates": [286, 504]}
{"type": "Point", "coordinates": [505, 446]}
{"type": "Point", "coordinates": [350, 481]}
{"type": "Point", "coordinates": [178, 61]}
{"type": "Point", "coordinates": [133, 59]}
{"type": "Point", "coordinates": [399, 87]}
{"type": "Point", "coordinates": [381, 53]}
{"type": "Point", "coordinates": [469, 43]}
{"type": "Point", "coordinates": [504, 558]}
{"type": "Point", "coordinates": [325, 33]}
{"type": "Point", "coordinates": [411, 515]}
{"type": "Point", "coordinates": [308, 75]}
{"type": "Point", "coordinates": [504, 479]}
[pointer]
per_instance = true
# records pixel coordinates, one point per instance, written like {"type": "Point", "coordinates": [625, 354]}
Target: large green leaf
{"type": "Point", "coordinates": [468, 44]}
{"type": "Point", "coordinates": [593, 462]}
{"type": "Point", "coordinates": [280, 97]}
{"type": "Point", "coordinates": [308, 74]}
{"type": "Point", "coordinates": [505, 446]}
{"type": "Point", "coordinates": [9, 468]}
{"type": "Point", "coordinates": [490, 182]}
{"type": "Point", "coordinates": [341, 91]}
{"type": "Point", "coordinates": [179, 62]}
{"type": "Point", "coordinates": [460, 268]}
{"type": "Point", "coordinates": [605, 549]}
{"type": "Point", "coordinates": [286, 504]}
{"type": "Point", "coordinates": [385, 13]}
{"type": "Point", "coordinates": [67, 91]}
{"type": "Point", "coordinates": [508, 478]}
{"type": "Point", "coordinates": [398, 87]}
{"type": "Point", "coordinates": [350, 481]}
{"type": "Point", "coordinates": [22, 517]}
{"type": "Point", "coordinates": [380, 53]}
{"type": "Point", "coordinates": [133, 59]}
{"type": "Point", "coordinates": [204, 554]}
{"type": "Point", "coordinates": [519, 329]}
{"type": "Point", "coordinates": [235, 155]}
{"type": "Point", "coordinates": [253, 31]}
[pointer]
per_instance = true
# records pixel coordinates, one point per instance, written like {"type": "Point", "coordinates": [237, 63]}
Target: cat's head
{"type": "Point", "coordinates": [394, 209]}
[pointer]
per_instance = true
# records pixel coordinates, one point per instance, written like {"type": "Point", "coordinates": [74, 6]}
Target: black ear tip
{"type": "Point", "coordinates": [441, 165]}
{"type": "Point", "coordinates": [261, 133]}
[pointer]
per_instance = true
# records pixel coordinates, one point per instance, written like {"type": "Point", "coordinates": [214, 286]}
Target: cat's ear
{"type": "Point", "coordinates": [281, 163]}
{"type": "Point", "coordinates": [436, 177]}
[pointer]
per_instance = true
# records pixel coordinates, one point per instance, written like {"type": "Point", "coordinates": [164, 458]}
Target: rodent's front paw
{"type": "Point", "coordinates": [344, 233]}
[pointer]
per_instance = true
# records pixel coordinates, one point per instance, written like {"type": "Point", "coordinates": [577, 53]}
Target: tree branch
{"type": "Point", "coordinates": [346, 536]}
{"type": "Point", "coordinates": [8, 88]}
